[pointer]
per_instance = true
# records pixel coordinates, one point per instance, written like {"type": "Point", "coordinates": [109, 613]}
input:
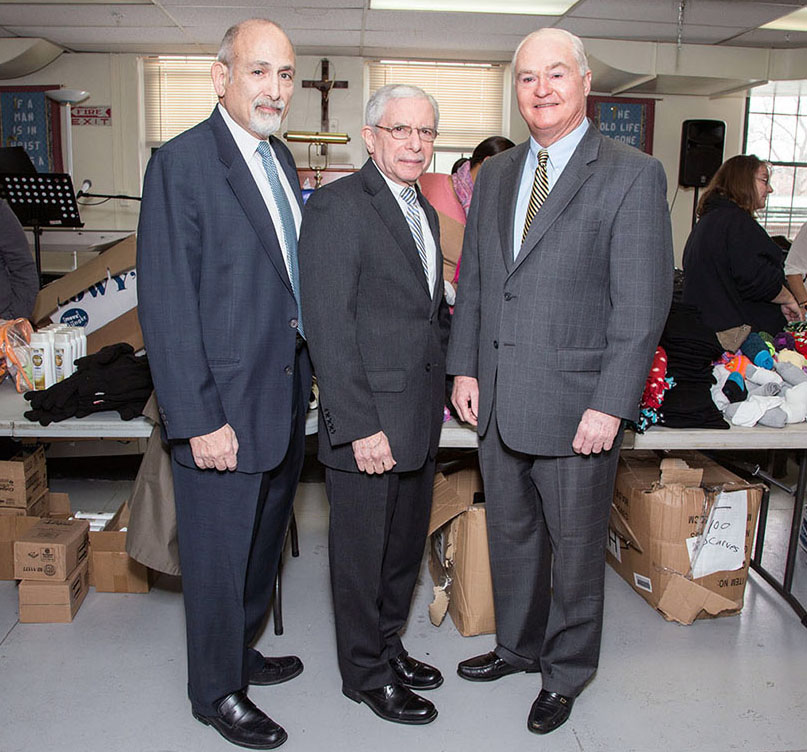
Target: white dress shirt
{"type": "Point", "coordinates": [559, 155]}
{"type": "Point", "coordinates": [431, 247]}
{"type": "Point", "coordinates": [248, 146]}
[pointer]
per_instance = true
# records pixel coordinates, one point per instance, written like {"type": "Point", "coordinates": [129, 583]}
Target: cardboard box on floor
{"type": "Point", "coordinates": [13, 527]}
{"type": "Point", "coordinates": [51, 549]}
{"type": "Point", "coordinates": [23, 479]}
{"type": "Point", "coordinates": [112, 570]}
{"type": "Point", "coordinates": [101, 295]}
{"type": "Point", "coordinates": [42, 602]}
{"type": "Point", "coordinates": [658, 505]}
{"type": "Point", "coordinates": [458, 554]}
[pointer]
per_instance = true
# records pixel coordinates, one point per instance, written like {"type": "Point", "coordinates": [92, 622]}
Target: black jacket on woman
{"type": "Point", "coordinates": [732, 270]}
{"type": "Point", "coordinates": [19, 282]}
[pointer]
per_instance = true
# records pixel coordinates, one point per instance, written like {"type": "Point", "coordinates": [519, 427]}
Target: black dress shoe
{"type": "Point", "coordinates": [395, 703]}
{"type": "Point", "coordinates": [240, 722]}
{"type": "Point", "coordinates": [489, 667]}
{"type": "Point", "coordinates": [277, 670]}
{"type": "Point", "coordinates": [549, 711]}
{"type": "Point", "coordinates": [415, 674]}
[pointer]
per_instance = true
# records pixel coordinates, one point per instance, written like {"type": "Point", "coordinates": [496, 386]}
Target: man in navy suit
{"type": "Point", "coordinates": [219, 307]}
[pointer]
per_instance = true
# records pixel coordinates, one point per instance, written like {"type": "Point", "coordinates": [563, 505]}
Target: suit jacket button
{"type": "Point", "coordinates": [496, 344]}
{"type": "Point", "coordinates": [293, 323]}
{"type": "Point", "coordinates": [428, 366]}
{"type": "Point", "coordinates": [289, 370]}
{"type": "Point", "coordinates": [508, 296]}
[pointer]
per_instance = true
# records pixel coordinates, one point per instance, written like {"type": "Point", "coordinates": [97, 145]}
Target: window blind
{"type": "Point", "coordinates": [178, 94]}
{"type": "Point", "coordinates": [469, 96]}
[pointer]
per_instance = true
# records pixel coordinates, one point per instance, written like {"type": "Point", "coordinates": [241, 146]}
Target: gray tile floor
{"type": "Point", "coordinates": [114, 679]}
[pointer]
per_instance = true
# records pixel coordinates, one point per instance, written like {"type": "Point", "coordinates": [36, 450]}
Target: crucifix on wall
{"type": "Point", "coordinates": [324, 85]}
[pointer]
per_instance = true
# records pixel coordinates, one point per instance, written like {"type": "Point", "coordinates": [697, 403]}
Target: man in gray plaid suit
{"type": "Point", "coordinates": [566, 283]}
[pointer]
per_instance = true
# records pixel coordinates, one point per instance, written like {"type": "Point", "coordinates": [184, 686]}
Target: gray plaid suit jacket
{"type": "Point", "coordinates": [573, 323]}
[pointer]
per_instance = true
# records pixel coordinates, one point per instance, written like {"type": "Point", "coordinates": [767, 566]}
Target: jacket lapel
{"type": "Point", "coordinates": [249, 197]}
{"type": "Point", "coordinates": [391, 215]}
{"type": "Point", "coordinates": [577, 171]}
{"type": "Point", "coordinates": [510, 181]}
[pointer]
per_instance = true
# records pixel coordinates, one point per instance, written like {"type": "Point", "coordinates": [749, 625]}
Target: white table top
{"type": "Point", "coordinates": [793, 436]}
{"type": "Point", "coordinates": [105, 425]}
{"type": "Point", "coordinates": [454, 435]}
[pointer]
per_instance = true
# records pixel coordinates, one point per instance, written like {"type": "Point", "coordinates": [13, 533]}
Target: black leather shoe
{"type": "Point", "coordinates": [395, 703]}
{"type": "Point", "coordinates": [489, 667]}
{"type": "Point", "coordinates": [415, 674]}
{"type": "Point", "coordinates": [240, 722]}
{"type": "Point", "coordinates": [277, 670]}
{"type": "Point", "coordinates": [549, 711]}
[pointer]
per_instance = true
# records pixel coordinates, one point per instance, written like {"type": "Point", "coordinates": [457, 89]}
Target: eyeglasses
{"type": "Point", "coordinates": [402, 132]}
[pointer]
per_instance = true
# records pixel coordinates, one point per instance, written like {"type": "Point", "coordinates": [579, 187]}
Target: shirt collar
{"type": "Point", "coordinates": [561, 151]}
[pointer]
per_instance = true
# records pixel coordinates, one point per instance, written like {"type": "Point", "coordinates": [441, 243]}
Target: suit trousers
{"type": "Point", "coordinates": [547, 520]}
{"type": "Point", "coordinates": [231, 528]}
{"type": "Point", "coordinates": [377, 536]}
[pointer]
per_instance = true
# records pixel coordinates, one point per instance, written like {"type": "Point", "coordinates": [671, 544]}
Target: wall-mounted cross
{"type": "Point", "coordinates": [324, 84]}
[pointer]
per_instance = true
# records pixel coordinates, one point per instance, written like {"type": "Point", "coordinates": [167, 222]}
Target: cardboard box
{"type": "Point", "coordinates": [54, 601]}
{"type": "Point", "coordinates": [674, 518]}
{"type": "Point", "coordinates": [458, 559]}
{"type": "Point", "coordinates": [37, 508]}
{"type": "Point", "coordinates": [51, 549]}
{"type": "Point", "coordinates": [100, 295]}
{"type": "Point", "coordinates": [23, 479]}
{"type": "Point", "coordinates": [14, 526]}
{"type": "Point", "coordinates": [112, 570]}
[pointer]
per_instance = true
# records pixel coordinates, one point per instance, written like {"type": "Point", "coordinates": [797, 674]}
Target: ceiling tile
{"type": "Point", "coordinates": [82, 15]}
{"type": "Point", "coordinates": [288, 18]}
{"type": "Point", "coordinates": [647, 32]}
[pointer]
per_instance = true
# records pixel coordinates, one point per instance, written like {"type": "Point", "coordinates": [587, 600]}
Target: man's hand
{"type": "Point", "coordinates": [373, 454]}
{"type": "Point", "coordinates": [465, 398]}
{"type": "Point", "coordinates": [792, 311]}
{"type": "Point", "coordinates": [595, 432]}
{"type": "Point", "coordinates": [217, 450]}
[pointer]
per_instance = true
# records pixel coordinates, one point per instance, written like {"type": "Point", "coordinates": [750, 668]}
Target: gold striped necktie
{"type": "Point", "coordinates": [540, 190]}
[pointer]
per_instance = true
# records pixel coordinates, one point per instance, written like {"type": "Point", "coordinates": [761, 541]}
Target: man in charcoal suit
{"type": "Point", "coordinates": [377, 323]}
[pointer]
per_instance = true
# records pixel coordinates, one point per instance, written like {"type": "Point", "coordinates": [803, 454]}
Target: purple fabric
{"type": "Point", "coordinates": [463, 185]}
{"type": "Point", "coordinates": [784, 341]}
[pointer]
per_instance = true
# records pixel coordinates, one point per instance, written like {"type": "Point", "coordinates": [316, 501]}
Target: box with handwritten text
{"type": "Point", "coordinates": [681, 532]}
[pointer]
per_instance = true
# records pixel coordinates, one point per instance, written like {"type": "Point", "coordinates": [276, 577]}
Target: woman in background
{"type": "Point", "coordinates": [451, 194]}
{"type": "Point", "coordinates": [733, 271]}
{"type": "Point", "coordinates": [19, 282]}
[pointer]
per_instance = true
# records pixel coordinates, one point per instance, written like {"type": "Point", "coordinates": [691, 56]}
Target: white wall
{"type": "Point", "coordinates": [111, 156]}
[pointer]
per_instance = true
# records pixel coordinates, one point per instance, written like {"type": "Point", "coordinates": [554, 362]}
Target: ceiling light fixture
{"type": "Point", "coordinates": [519, 7]}
{"type": "Point", "coordinates": [795, 21]}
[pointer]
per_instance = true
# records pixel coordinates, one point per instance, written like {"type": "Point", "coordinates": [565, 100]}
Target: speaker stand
{"type": "Point", "coordinates": [695, 206]}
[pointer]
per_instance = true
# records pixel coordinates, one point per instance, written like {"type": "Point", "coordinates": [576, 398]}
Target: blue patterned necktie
{"type": "Point", "coordinates": [287, 225]}
{"type": "Point", "coordinates": [413, 218]}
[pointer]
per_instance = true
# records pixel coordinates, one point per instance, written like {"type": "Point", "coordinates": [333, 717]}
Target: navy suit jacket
{"type": "Point", "coordinates": [215, 301]}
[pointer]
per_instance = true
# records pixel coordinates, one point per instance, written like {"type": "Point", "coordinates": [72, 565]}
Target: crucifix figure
{"type": "Point", "coordinates": [324, 85]}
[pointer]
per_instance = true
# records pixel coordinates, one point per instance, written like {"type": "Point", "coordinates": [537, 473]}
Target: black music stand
{"type": "Point", "coordinates": [41, 200]}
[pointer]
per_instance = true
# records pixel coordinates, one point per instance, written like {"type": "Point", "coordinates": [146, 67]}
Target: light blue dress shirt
{"type": "Point", "coordinates": [559, 155]}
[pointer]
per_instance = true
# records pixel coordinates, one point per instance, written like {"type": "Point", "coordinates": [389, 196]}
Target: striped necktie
{"type": "Point", "coordinates": [413, 218]}
{"type": "Point", "coordinates": [540, 190]}
{"type": "Point", "coordinates": [287, 225]}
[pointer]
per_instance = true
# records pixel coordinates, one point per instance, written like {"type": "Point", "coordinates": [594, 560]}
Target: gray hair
{"type": "Point", "coordinates": [578, 50]}
{"type": "Point", "coordinates": [225, 54]}
{"type": "Point", "coordinates": [378, 102]}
